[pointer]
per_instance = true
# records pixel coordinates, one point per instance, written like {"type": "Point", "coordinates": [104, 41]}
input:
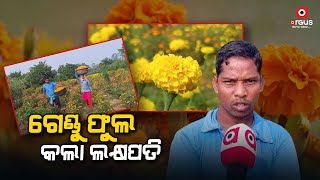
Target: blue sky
{"type": "Point", "coordinates": [88, 55]}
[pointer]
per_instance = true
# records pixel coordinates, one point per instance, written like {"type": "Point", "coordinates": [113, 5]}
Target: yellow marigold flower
{"type": "Point", "coordinates": [97, 26]}
{"type": "Point", "coordinates": [189, 108]}
{"type": "Point", "coordinates": [58, 89]}
{"type": "Point", "coordinates": [10, 53]}
{"type": "Point", "coordinates": [178, 44]}
{"type": "Point", "coordinates": [123, 27]}
{"type": "Point", "coordinates": [223, 43]}
{"type": "Point", "coordinates": [198, 46]}
{"type": "Point", "coordinates": [292, 81]}
{"type": "Point", "coordinates": [160, 53]}
{"type": "Point", "coordinates": [146, 104]}
{"type": "Point", "coordinates": [189, 94]}
{"type": "Point", "coordinates": [145, 11]}
{"type": "Point", "coordinates": [82, 67]}
{"type": "Point", "coordinates": [231, 32]}
{"type": "Point", "coordinates": [223, 38]}
{"type": "Point", "coordinates": [175, 74]}
{"type": "Point", "coordinates": [103, 34]}
{"type": "Point", "coordinates": [177, 32]}
{"type": "Point", "coordinates": [238, 27]}
{"type": "Point", "coordinates": [200, 26]}
{"type": "Point", "coordinates": [135, 41]}
{"type": "Point", "coordinates": [141, 71]}
{"type": "Point", "coordinates": [214, 72]}
{"type": "Point", "coordinates": [46, 45]}
{"type": "Point", "coordinates": [187, 29]}
{"type": "Point", "coordinates": [207, 50]}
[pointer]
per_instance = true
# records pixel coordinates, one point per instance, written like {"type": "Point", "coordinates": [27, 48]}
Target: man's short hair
{"type": "Point", "coordinates": [238, 48]}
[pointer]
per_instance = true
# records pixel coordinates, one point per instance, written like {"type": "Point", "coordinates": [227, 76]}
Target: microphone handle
{"type": "Point", "coordinates": [236, 172]}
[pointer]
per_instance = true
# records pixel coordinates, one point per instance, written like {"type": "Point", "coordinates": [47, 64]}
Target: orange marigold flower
{"type": "Point", "coordinates": [161, 45]}
{"type": "Point", "coordinates": [216, 45]}
{"type": "Point", "coordinates": [10, 53]}
{"type": "Point", "coordinates": [155, 31]}
{"type": "Point", "coordinates": [292, 81]}
{"type": "Point", "coordinates": [146, 11]}
{"type": "Point", "coordinates": [207, 40]}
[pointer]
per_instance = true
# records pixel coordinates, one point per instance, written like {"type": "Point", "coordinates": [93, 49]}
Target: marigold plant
{"type": "Point", "coordinates": [146, 104]}
{"type": "Point", "coordinates": [10, 52]}
{"type": "Point", "coordinates": [199, 41]}
{"type": "Point", "coordinates": [104, 34]}
{"type": "Point", "coordinates": [141, 71]}
{"type": "Point", "coordinates": [138, 11]}
{"type": "Point", "coordinates": [175, 74]}
{"type": "Point", "coordinates": [207, 50]}
{"type": "Point", "coordinates": [292, 81]}
{"type": "Point", "coordinates": [178, 44]}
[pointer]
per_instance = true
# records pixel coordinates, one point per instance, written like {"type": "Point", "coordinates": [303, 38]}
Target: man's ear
{"type": "Point", "coordinates": [261, 83]}
{"type": "Point", "coordinates": [215, 84]}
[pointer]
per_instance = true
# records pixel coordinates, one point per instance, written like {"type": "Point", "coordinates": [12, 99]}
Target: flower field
{"type": "Point", "coordinates": [172, 65]}
{"type": "Point", "coordinates": [107, 97]}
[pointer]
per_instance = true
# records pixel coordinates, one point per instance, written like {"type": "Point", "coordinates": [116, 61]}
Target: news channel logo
{"type": "Point", "coordinates": [303, 21]}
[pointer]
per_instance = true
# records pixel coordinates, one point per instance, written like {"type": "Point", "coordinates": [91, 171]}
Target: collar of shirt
{"type": "Point", "coordinates": [261, 129]}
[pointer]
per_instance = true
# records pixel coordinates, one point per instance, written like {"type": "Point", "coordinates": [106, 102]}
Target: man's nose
{"type": "Point", "coordinates": [240, 90]}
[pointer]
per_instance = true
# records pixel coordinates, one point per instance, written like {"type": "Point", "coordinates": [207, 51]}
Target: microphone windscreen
{"type": "Point", "coordinates": [239, 146]}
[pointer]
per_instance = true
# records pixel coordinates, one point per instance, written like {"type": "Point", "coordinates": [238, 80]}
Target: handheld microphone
{"type": "Point", "coordinates": [238, 151]}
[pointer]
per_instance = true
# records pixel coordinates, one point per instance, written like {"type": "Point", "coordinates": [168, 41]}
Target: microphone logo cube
{"type": "Point", "coordinates": [239, 146]}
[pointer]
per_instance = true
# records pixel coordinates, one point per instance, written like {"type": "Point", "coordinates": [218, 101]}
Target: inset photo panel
{"type": "Point", "coordinates": [172, 64]}
{"type": "Point", "coordinates": [91, 79]}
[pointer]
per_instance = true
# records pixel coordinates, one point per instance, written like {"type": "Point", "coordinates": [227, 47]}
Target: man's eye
{"type": "Point", "coordinates": [229, 82]}
{"type": "Point", "coordinates": [251, 81]}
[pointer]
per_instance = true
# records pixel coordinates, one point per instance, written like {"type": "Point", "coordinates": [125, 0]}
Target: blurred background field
{"type": "Point", "coordinates": [144, 41]}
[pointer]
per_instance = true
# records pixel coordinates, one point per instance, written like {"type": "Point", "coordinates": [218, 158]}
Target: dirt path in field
{"type": "Point", "coordinates": [114, 102]}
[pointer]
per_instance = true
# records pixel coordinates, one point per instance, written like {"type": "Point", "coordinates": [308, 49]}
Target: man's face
{"type": "Point", "coordinates": [238, 86]}
{"type": "Point", "coordinates": [82, 77]}
{"type": "Point", "coordinates": [46, 81]}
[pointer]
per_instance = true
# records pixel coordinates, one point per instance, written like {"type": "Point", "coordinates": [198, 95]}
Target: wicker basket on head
{"type": "Point", "coordinates": [82, 70]}
{"type": "Point", "coordinates": [60, 91]}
